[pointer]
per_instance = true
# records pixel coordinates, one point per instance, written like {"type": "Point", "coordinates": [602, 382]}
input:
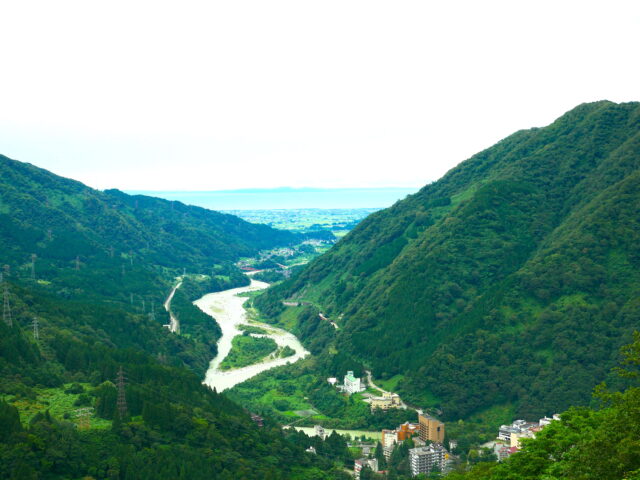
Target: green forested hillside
{"type": "Point", "coordinates": [60, 219]}
{"type": "Point", "coordinates": [513, 280]}
{"type": "Point", "coordinates": [93, 269]}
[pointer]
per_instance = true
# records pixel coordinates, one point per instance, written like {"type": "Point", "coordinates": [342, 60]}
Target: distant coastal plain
{"type": "Point", "coordinates": [286, 198]}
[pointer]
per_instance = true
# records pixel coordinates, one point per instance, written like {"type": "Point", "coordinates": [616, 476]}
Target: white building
{"type": "Point", "coordinates": [359, 464]}
{"type": "Point", "coordinates": [352, 384]}
{"type": "Point", "coordinates": [424, 459]}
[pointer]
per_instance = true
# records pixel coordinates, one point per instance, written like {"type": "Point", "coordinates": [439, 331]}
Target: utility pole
{"type": "Point", "coordinates": [6, 308]}
{"type": "Point", "coordinates": [35, 324]}
{"type": "Point", "coordinates": [122, 399]}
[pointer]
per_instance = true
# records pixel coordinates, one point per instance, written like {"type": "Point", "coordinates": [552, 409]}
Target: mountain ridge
{"type": "Point", "coordinates": [427, 286]}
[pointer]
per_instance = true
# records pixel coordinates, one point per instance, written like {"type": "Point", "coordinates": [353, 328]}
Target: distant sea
{"type": "Point", "coordinates": [286, 198]}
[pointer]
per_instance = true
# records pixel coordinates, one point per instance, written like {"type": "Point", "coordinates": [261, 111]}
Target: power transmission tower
{"type": "Point", "coordinates": [111, 250]}
{"type": "Point", "coordinates": [6, 308]}
{"type": "Point", "coordinates": [78, 262]}
{"type": "Point", "coordinates": [36, 332]}
{"type": "Point", "coordinates": [50, 234]}
{"type": "Point", "coordinates": [152, 313]}
{"type": "Point", "coordinates": [33, 265]}
{"type": "Point", "coordinates": [84, 417]}
{"type": "Point", "coordinates": [144, 308]}
{"type": "Point", "coordinates": [122, 399]}
{"type": "Point", "coordinates": [123, 270]}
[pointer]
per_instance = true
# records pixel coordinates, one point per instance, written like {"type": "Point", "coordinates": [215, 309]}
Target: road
{"type": "Point", "coordinates": [174, 325]}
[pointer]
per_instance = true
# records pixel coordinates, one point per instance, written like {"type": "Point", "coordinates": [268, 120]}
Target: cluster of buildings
{"type": "Point", "coordinates": [427, 436]}
{"type": "Point", "coordinates": [351, 384]}
{"type": "Point", "coordinates": [510, 436]}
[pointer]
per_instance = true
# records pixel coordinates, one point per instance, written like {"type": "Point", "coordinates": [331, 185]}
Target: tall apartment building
{"type": "Point", "coordinates": [431, 429]}
{"type": "Point", "coordinates": [424, 459]}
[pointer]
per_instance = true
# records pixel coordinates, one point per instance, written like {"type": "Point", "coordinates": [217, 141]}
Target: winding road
{"type": "Point", "coordinates": [174, 325]}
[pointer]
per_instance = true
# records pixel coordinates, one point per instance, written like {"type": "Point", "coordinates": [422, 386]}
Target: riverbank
{"type": "Point", "coordinates": [228, 310]}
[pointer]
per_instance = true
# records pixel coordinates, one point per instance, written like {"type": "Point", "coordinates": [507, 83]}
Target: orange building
{"type": "Point", "coordinates": [407, 430]}
{"type": "Point", "coordinates": [431, 429]}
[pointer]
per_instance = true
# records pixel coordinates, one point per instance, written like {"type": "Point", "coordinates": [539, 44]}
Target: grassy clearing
{"type": "Point", "coordinates": [61, 405]}
{"type": "Point", "coordinates": [391, 384]}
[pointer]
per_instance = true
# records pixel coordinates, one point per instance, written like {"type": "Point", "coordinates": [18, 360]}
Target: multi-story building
{"type": "Point", "coordinates": [389, 438]}
{"type": "Point", "coordinates": [359, 464]}
{"type": "Point", "coordinates": [424, 459]}
{"type": "Point", "coordinates": [351, 383]}
{"type": "Point", "coordinates": [407, 430]}
{"type": "Point", "coordinates": [431, 429]}
{"type": "Point", "coordinates": [386, 401]}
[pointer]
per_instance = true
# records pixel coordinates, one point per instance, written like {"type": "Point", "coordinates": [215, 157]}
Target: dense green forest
{"type": "Point", "coordinates": [85, 275]}
{"type": "Point", "coordinates": [600, 443]}
{"type": "Point", "coordinates": [510, 283]}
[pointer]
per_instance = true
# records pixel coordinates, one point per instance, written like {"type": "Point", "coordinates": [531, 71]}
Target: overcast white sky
{"type": "Point", "coordinates": [220, 95]}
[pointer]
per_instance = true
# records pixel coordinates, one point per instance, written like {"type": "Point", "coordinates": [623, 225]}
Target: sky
{"type": "Point", "coordinates": [257, 94]}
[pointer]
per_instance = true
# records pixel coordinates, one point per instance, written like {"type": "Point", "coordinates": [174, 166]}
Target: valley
{"type": "Point", "coordinates": [490, 300]}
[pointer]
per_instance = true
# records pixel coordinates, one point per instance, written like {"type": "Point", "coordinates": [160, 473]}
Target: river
{"type": "Point", "coordinates": [227, 309]}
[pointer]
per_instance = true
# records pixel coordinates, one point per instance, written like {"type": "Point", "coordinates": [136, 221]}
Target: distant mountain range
{"type": "Point", "coordinates": [512, 281]}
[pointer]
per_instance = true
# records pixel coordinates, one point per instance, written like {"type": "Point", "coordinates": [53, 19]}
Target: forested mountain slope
{"type": "Point", "coordinates": [85, 274]}
{"type": "Point", "coordinates": [61, 219]}
{"type": "Point", "coordinates": [512, 280]}
{"type": "Point", "coordinates": [113, 257]}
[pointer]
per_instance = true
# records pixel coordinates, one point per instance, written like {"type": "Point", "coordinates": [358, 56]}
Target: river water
{"type": "Point", "coordinates": [227, 308]}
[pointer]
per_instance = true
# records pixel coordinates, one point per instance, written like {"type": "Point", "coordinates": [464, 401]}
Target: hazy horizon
{"type": "Point", "coordinates": [227, 95]}
{"type": "Point", "coordinates": [286, 198]}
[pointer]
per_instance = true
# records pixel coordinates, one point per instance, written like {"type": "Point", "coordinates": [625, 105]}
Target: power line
{"type": "Point", "coordinates": [36, 332]}
{"type": "Point", "coordinates": [122, 399]}
{"type": "Point", "coordinates": [6, 308]}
